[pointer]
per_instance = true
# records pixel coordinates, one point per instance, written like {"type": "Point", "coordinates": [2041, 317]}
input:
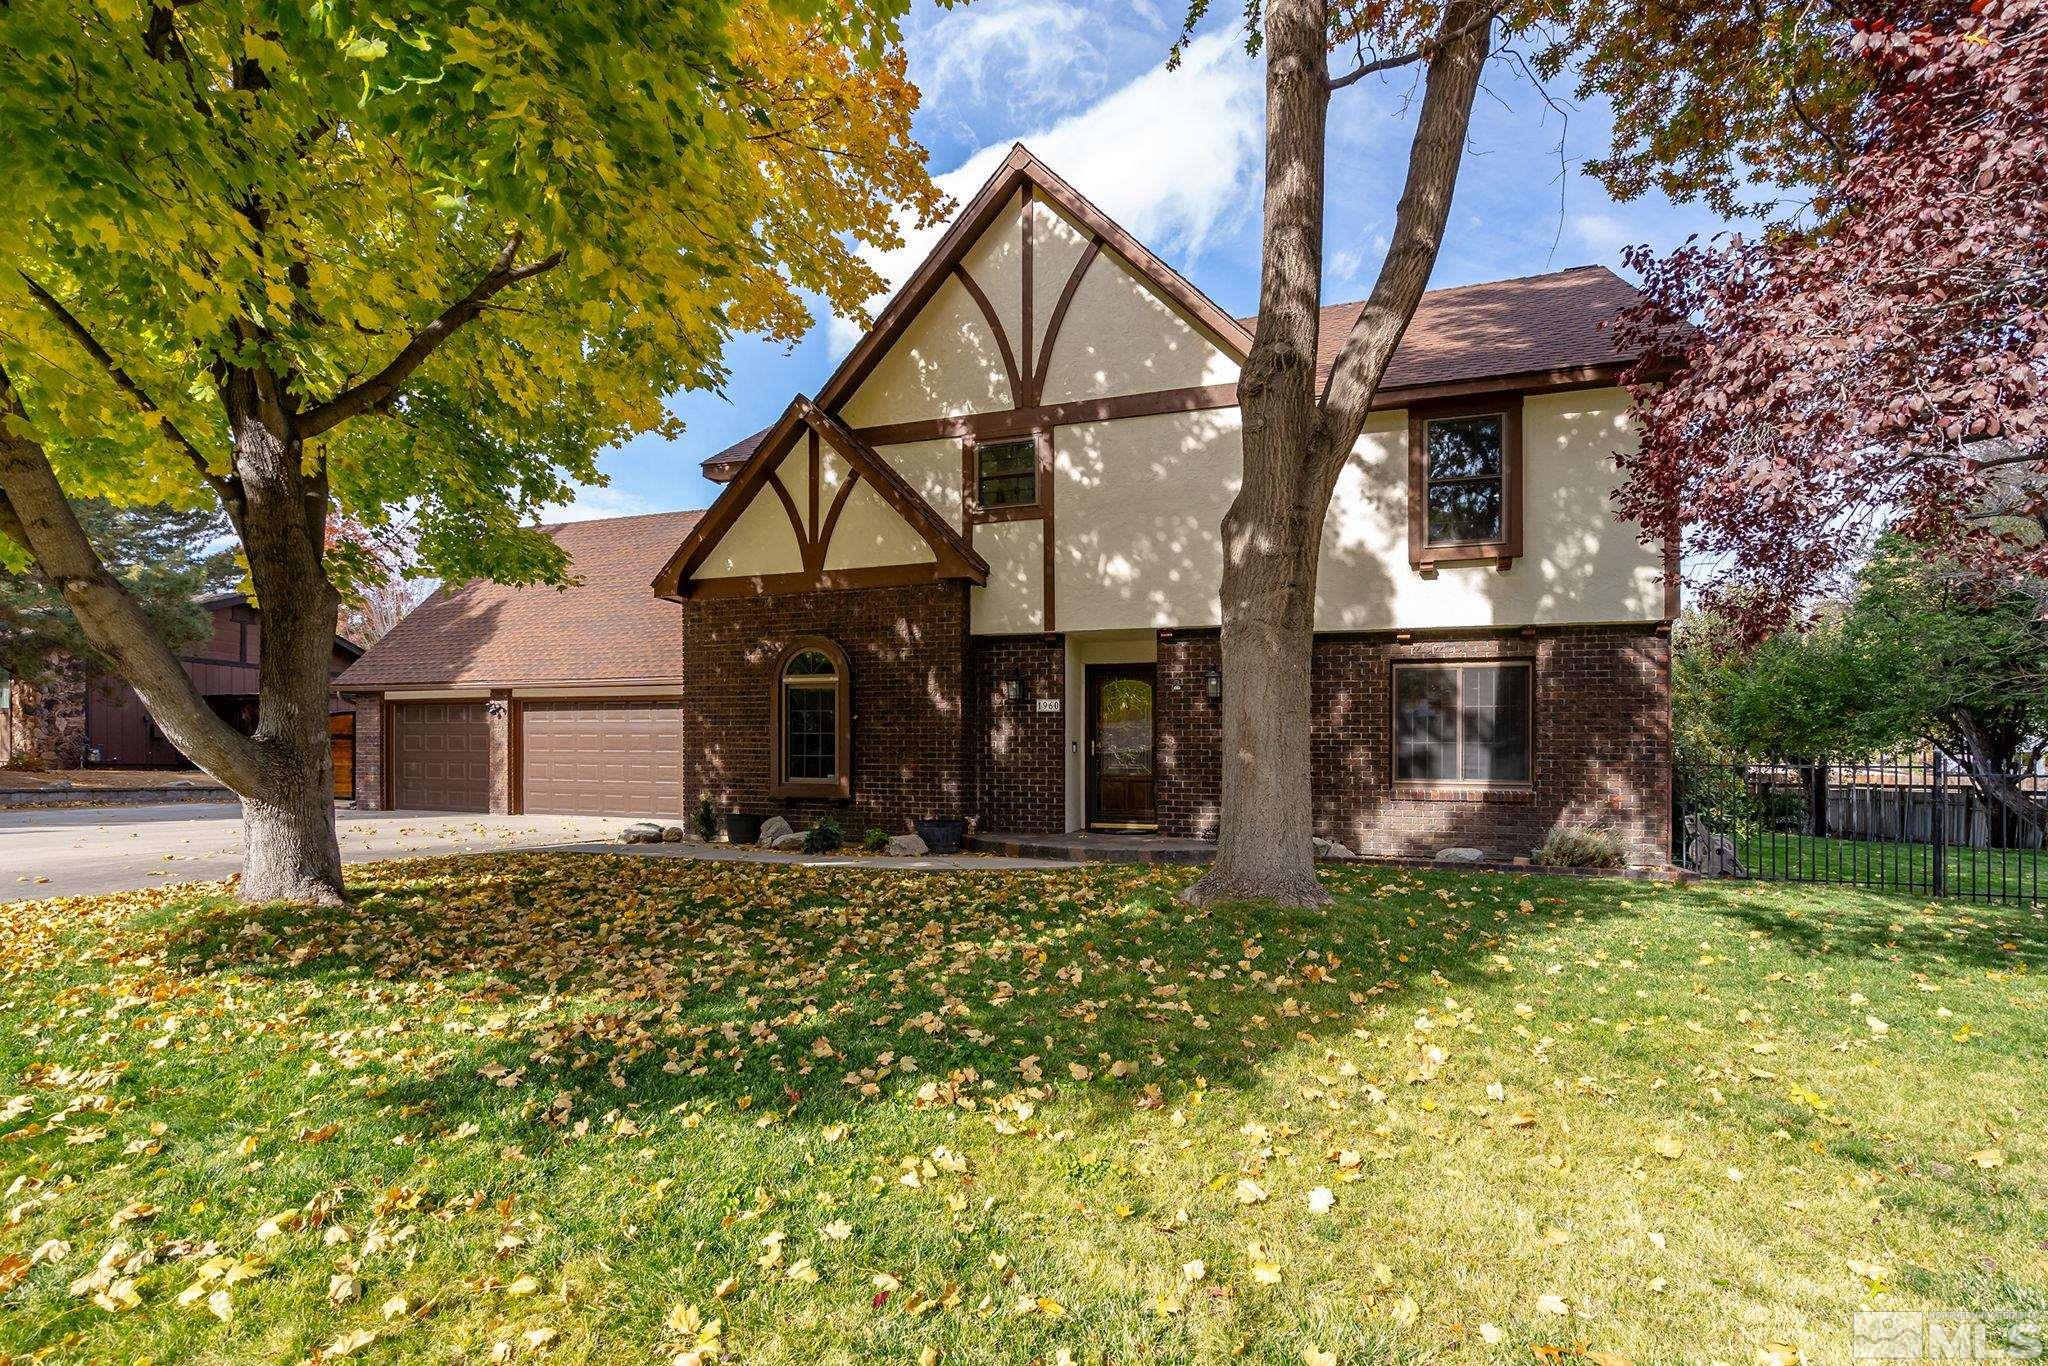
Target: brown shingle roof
{"type": "Point", "coordinates": [609, 628]}
{"type": "Point", "coordinates": [1494, 330]}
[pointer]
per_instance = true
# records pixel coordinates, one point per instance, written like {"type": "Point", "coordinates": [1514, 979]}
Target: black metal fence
{"type": "Point", "coordinates": [1923, 824]}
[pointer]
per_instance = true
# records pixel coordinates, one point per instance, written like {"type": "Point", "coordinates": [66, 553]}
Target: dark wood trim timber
{"type": "Point", "coordinates": [1028, 219]}
{"type": "Point", "coordinates": [1018, 422]}
{"type": "Point", "coordinates": [954, 556]}
{"type": "Point", "coordinates": [995, 325]}
{"type": "Point", "coordinates": [1059, 315]}
{"type": "Point", "coordinates": [758, 585]}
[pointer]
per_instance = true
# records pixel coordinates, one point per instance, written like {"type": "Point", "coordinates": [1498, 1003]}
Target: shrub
{"type": "Point", "coordinates": [824, 837]}
{"type": "Point", "coordinates": [1575, 846]}
{"type": "Point", "coordinates": [875, 841]}
{"type": "Point", "coordinates": [705, 819]}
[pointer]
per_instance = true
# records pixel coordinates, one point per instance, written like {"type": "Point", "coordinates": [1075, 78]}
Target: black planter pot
{"type": "Point", "coordinates": [741, 828]}
{"type": "Point", "coordinates": [942, 837]}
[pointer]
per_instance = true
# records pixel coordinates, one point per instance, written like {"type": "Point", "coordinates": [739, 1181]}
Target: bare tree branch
{"type": "Point", "coordinates": [224, 486]}
{"type": "Point", "coordinates": [1422, 53]}
{"type": "Point", "coordinates": [381, 387]}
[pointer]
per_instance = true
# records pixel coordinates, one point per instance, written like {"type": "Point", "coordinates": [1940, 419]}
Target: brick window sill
{"type": "Point", "coordinates": [1504, 795]}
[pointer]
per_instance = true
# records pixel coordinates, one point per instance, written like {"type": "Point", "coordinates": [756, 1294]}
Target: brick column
{"type": "Point", "coordinates": [369, 751]}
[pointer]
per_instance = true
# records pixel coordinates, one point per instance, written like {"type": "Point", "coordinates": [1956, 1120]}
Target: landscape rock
{"type": "Point", "coordinates": [1709, 852]}
{"type": "Point", "coordinates": [1461, 855]}
{"type": "Point", "coordinates": [793, 840]}
{"type": "Point", "coordinates": [773, 829]}
{"type": "Point", "coordinates": [641, 832]}
{"type": "Point", "coordinates": [1330, 849]}
{"type": "Point", "coordinates": [675, 834]}
{"type": "Point", "coordinates": [906, 846]}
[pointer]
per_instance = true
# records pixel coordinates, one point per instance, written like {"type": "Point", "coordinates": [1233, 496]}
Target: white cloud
{"type": "Point", "coordinates": [1173, 156]}
{"type": "Point", "coordinates": [588, 502]}
{"type": "Point", "coordinates": [1022, 53]}
{"type": "Point", "coordinates": [1605, 235]}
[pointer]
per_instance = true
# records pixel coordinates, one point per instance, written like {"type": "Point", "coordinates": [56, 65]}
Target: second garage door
{"type": "Point", "coordinates": [602, 758]}
{"type": "Point", "coordinates": [442, 751]}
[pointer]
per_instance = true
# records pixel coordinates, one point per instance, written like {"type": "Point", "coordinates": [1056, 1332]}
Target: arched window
{"type": "Point", "coordinates": [812, 745]}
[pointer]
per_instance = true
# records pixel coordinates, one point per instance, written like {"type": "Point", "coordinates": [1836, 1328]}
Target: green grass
{"type": "Point", "coordinates": [603, 1101]}
{"type": "Point", "coordinates": [2012, 875]}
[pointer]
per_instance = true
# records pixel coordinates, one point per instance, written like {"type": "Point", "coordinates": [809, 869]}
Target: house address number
{"type": "Point", "coordinates": [1049, 704]}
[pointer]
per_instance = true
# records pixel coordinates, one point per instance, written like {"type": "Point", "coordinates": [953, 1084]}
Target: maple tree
{"type": "Point", "coordinates": [298, 260]}
{"type": "Point", "coordinates": [1886, 366]}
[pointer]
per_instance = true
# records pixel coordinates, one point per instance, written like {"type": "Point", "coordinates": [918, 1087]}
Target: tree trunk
{"type": "Point", "coordinates": [1817, 799]}
{"type": "Point", "coordinates": [2014, 817]}
{"type": "Point", "coordinates": [288, 814]}
{"type": "Point", "coordinates": [1295, 445]}
{"type": "Point", "coordinates": [1264, 846]}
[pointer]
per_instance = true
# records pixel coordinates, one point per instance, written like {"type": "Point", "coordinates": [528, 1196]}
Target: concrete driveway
{"type": "Point", "coordinates": [77, 851]}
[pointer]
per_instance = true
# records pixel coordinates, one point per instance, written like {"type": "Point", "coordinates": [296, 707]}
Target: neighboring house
{"type": "Point", "coordinates": [74, 718]}
{"type": "Point", "coordinates": [978, 576]}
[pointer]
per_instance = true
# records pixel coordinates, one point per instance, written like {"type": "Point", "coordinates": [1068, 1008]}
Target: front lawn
{"type": "Point", "coordinates": [557, 1107]}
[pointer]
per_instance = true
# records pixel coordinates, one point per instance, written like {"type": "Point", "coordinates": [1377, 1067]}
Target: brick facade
{"type": "Point", "coordinates": [1020, 752]}
{"type": "Point", "coordinates": [369, 751]}
{"type": "Point", "coordinates": [907, 651]}
{"type": "Point", "coordinates": [1602, 743]}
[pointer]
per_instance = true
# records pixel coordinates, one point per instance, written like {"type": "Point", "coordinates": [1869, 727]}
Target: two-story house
{"type": "Point", "coordinates": [977, 575]}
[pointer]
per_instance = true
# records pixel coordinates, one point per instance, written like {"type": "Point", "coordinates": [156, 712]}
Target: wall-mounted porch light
{"type": "Point", "coordinates": [1215, 684]}
{"type": "Point", "coordinates": [1013, 689]}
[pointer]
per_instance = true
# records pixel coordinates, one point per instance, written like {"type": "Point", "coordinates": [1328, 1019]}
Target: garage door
{"type": "Point", "coordinates": [602, 758]}
{"type": "Point", "coordinates": [442, 752]}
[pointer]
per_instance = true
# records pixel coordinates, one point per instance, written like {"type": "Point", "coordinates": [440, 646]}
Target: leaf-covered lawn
{"type": "Point", "coordinates": [600, 1107]}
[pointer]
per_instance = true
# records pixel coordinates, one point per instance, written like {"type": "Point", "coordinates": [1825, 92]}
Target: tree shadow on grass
{"type": "Point", "coordinates": [650, 986]}
{"type": "Point", "coordinates": [657, 984]}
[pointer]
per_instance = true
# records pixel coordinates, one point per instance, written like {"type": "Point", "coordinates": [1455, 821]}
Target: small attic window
{"type": "Point", "coordinates": [1006, 474]}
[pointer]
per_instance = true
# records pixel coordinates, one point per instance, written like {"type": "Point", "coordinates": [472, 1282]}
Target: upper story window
{"type": "Point", "coordinates": [1465, 484]}
{"type": "Point", "coordinates": [1466, 476]}
{"type": "Point", "coordinates": [1006, 473]}
{"type": "Point", "coordinates": [812, 746]}
{"type": "Point", "coordinates": [1464, 725]}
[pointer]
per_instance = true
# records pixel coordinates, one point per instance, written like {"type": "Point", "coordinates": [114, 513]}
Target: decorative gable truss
{"type": "Point", "coordinates": [839, 517]}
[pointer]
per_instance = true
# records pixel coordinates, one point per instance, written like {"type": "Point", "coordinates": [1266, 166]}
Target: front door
{"type": "Point", "coordinates": [1120, 746]}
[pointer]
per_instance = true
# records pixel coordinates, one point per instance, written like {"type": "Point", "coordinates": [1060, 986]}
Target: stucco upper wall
{"type": "Point", "coordinates": [1120, 335]}
{"type": "Point", "coordinates": [946, 363]}
{"type": "Point", "coordinates": [1140, 504]}
{"type": "Point", "coordinates": [867, 534]}
{"type": "Point", "coordinates": [762, 541]}
{"type": "Point", "coordinates": [1117, 336]}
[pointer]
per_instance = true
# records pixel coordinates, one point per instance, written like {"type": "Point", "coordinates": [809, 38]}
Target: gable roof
{"type": "Point", "coordinates": [607, 628]}
{"type": "Point", "coordinates": [953, 556]}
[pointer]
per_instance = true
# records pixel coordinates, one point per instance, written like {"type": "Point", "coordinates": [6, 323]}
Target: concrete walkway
{"type": "Point", "coordinates": [80, 851]}
{"type": "Point", "coordinates": [77, 851]}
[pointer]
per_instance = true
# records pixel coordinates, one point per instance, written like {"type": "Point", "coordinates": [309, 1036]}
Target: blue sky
{"type": "Point", "coordinates": [1175, 156]}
